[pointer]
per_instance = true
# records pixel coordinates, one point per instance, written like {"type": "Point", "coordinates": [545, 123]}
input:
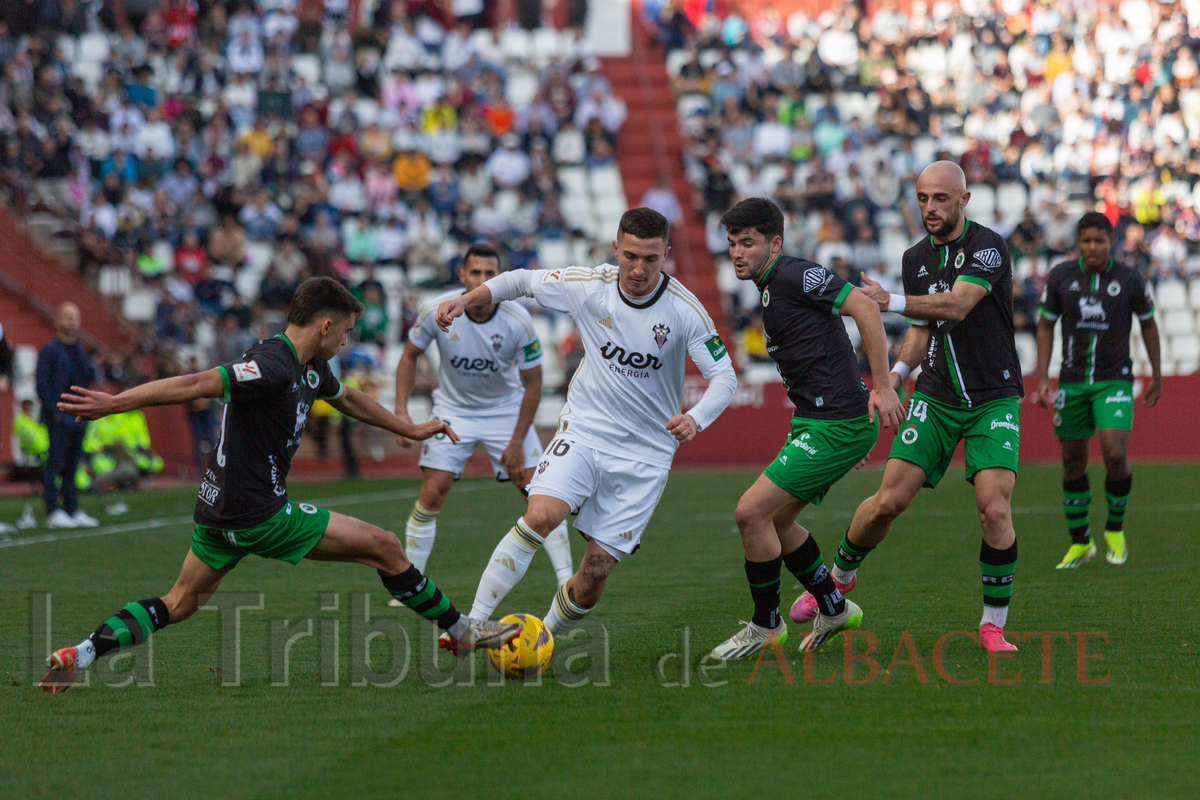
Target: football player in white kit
{"type": "Point", "coordinates": [622, 421]}
{"type": "Point", "coordinates": [490, 385]}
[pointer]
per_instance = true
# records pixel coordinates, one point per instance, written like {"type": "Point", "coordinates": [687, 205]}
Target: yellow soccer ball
{"type": "Point", "coordinates": [527, 655]}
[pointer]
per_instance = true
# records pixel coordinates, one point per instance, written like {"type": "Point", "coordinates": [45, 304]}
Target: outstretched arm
{"type": "Point", "coordinates": [505, 286]}
{"type": "Point", "coordinates": [952, 306]}
{"type": "Point", "coordinates": [90, 404]}
{"type": "Point", "coordinates": [360, 406]}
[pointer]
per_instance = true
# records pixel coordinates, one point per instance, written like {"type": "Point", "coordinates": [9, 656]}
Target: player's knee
{"type": "Point", "coordinates": [747, 515]}
{"type": "Point", "coordinates": [539, 521]}
{"type": "Point", "coordinates": [995, 515]}
{"type": "Point", "coordinates": [387, 548]}
{"type": "Point", "coordinates": [889, 505]}
{"type": "Point", "coordinates": [1116, 464]}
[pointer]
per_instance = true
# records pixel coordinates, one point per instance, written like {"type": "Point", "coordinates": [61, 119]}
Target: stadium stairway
{"type": "Point", "coordinates": [32, 284]}
{"type": "Point", "coordinates": [650, 148]}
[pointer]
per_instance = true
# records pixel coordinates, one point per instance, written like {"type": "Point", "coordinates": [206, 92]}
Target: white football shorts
{"type": "Point", "coordinates": [613, 497]}
{"type": "Point", "coordinates": [494, 433]}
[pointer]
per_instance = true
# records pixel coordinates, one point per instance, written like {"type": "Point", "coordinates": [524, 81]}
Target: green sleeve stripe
{"type": "Point", "coordinates": [977, 281]}
{"type": "Point", "coordinates": [919, 322]}
{"type": "Point", "coordinates": [1048, 315]}
{"type": "Point", "coordinates": [224, 384]}
{"type": "Point", "coordinates": [1146, 316]}
{"type": "Point", "coordinates": [142, 616]}
{"type": "Point", "coordinates": [341, 391]}
{"type": "Point", "coordinates": [837, 304]}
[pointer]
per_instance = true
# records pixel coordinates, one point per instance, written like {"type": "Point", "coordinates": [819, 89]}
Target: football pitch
{"type": "Point", "coordinates": [1100, 702]}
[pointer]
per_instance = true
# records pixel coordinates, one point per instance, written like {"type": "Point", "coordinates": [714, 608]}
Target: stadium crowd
{"type": "Point", "coordinates": [1051, 108]}
{"type": "Point", "coordinates": [217, 153]}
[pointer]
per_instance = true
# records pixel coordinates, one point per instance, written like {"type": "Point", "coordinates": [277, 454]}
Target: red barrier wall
{"type": "Point", "coordinates": [755, 426]}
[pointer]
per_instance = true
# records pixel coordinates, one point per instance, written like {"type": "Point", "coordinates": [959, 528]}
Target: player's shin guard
{"type": "Point", "coordinates": [764, 590]}
{"type": "Point", "coordinates": [505, 568]}
{"type": "Point", "coordinates": [805, 563]}
{"type": "Point", "coordinates": [564, 614]}
{"type": "Point", "coordinates": [129, 627]}
{"type": "Point", "coordinates": [848, 559]}
{"type": "Point", "coordinates": [998, 567]}
{"type": "Point", "coordinates": [1077, 499]}
{"type": "Point", "coordinates": [419, 534]}
{"type": "Point", "coordinates": [423, 596]}
{"type": "Point", "coordinates": [1116, 492]}
{"type": "Point", "coordinates": [558, 548]}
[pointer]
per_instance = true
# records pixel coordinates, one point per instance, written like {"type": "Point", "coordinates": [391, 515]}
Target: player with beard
{"type": "Point", "coordinates": [958, 295]}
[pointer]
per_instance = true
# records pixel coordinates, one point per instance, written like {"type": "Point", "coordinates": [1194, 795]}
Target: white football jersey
{"type": "Point", "coordinates": [479, 361]}
{"type": "Point", "coordinates": [630, 383]}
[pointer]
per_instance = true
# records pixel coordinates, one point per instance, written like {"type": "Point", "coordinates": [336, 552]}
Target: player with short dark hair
{"type": "Point", "coordinates": [489, 388]}
{"type": "Point", "coordinates": [833, 428]}
{"type": "Point", "coordinates": [1096, 299]}
{"type": "Point", "coordinates": [958, 295]}
{"type": "Point", "coordinates": [242, 507]}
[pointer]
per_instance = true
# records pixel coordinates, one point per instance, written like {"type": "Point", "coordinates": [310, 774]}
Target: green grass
{"type": "Point", "coordinates": [188, 736]}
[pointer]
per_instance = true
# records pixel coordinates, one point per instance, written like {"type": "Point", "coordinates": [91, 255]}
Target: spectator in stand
{"type": "Point", "coordinates": [664, 201]}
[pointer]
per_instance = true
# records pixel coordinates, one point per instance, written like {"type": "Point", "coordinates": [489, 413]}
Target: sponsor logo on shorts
{"type": "Point", "coordinates": [247, 371]}
{"type": "Point", "coordinates": [910, 435]}
{"type": "Point", "coordinates": [816, 279]}
{"type": "Point", "coordinates": [987, 260]}
{"type": "Point", "coordinates": [1119, 397]}
{"type": "Point", "coordinates": [802, 443]}
{"type": "Point", "coordinates": [1007, 422]}
{"type": "Point", "coordinates": [1008, 445]}
{"type": "Point", "coordinates": [626, 535]}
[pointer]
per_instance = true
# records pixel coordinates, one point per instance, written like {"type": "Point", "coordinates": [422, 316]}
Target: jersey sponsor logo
{"type": "Point", "coordinates": [1090, 309]}
{"type": "Point", "coordinates": [939, 287]}
{"type": "Point", "coordinates": [922, 272]}
{"type": "Point", "coordinates": [468, 364]}
{"type": "Point", "coordinates": [248, 371]}
{"type": "Point", "coordinates": [816, 279]}
{"type": "Point", "coordinates": [988, 259]}
{"type": "Point", "coordinates": [1074, 287]}
{"type": "Point", "coordinates": [633, 360]}
{"type": "Point", "coordinates": [660, 334]}
{"type": "Point", "coordinates": [209, 492]}
{"type": "Point", "coordinates": [312, 379]}
{"type": "Point", "coordinates": [1114, 289]}
{"type": "Point", "coordinates": [497, 342]}
{"type": "Point", "coordinates": [716, 347]}
{"type": "Point", "coordinates": [1007, 422]}
{"type": "Point", "coordinates": [554, 276]}
{"type": "Point", "coordinates": [533, 350]}
{"type": "Point", "coordinates": [606, 322]}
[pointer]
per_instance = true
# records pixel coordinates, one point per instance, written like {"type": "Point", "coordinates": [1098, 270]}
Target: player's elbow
{"type": "Point", "coordinates": [957, 312]}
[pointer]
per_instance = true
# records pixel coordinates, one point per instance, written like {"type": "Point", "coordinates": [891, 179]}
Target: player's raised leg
{"type": "Point", "coordinates": [582, 592]}
{"type": "Point", "coordinates": [133, 624]}
{"type": "Point", "coordinates": [350, 539]}
{"type": "Point", "coordinates": [874, 516]}
{"type": "Point", "coordinates": [997, 554]}
{"type": "Point", "coordinates": [1118, 482]}
{"type": "Point", "coordinates": [510, 560]}
{"type": "Point", "coordinates": [1077, 500]}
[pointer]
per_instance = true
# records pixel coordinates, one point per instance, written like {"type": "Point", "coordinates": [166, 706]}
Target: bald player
{"type": "Point", "coordinates": [958, 298]}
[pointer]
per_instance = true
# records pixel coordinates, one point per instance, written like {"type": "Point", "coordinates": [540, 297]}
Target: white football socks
{"type": "Point", "coordinates": [842, 576]}
{"type": "Point", "coordinates": [85, 654]}
{"type": "Point", "coordinates": [564, 614]}
{"type": "Point", "coordinates": [997, 615]}
{"type": "Point", "coordinates": [558, 548]}
{"type": "Point", "coordinates": [505, 568]}
{"type": "Point", "coordinates": [419, 533]}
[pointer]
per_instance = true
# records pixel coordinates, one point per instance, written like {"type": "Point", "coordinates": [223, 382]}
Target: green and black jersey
{"type": "Point", "coordinates": [973, 361]}
{"type": "Point", "coordinates": [268, 394]}
{"type": "Point", "coordinates": [1097, 311]}
{"type": "Point", "coordinates": [801, 307]}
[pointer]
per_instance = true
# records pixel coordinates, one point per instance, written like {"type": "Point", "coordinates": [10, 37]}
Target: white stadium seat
{"type": "Point", "coordinates": [1177, 322]}
{"type": "Point", "coordinates": [1171, 294]}
{"type": "Point", "coordinates": [1011, 201]}
{"type": "Point", "coordinates": [516, 43]}
{"type": "Point", "coordinates": [1185, 349]}
{"type": "Point", "coordinates": [675, 61]}
{"type": "Point", "coordinates": [983, 201]}
{"type": "Point", "coordinates": [573, 180]}
{"type": "Point", "coordinates": [607, 181]}
{"type": "Point", "coordinates": [307, 66]}
{"type": "Point", "coordinates": [553, 254]}
{"type": "Point", "coordinates": [93, 47]}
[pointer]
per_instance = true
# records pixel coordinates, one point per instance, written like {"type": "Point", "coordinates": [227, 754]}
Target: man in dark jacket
{"type": "Point", "coordinates": [63, 363]}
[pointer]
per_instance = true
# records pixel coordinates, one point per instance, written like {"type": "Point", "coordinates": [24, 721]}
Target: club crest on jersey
{"type": "Point", "coordinates": [816, 279]}
{"type": "Point", "coordinates": [1114, 289]}
{"type": "Point", "coordinates": [766, 298]}
{"type": "Point", "coordinates": [959, 259]}
{"type": "Point", "coordinates": [660, 335]}
{"type": "Point", "coordinates": [497, 342]}
{"type": "Point", "coordinates": [312, 379]}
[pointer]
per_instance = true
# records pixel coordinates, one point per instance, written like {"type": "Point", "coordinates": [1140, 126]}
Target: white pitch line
{"type": "Point", "coordinates": [157, 523]}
